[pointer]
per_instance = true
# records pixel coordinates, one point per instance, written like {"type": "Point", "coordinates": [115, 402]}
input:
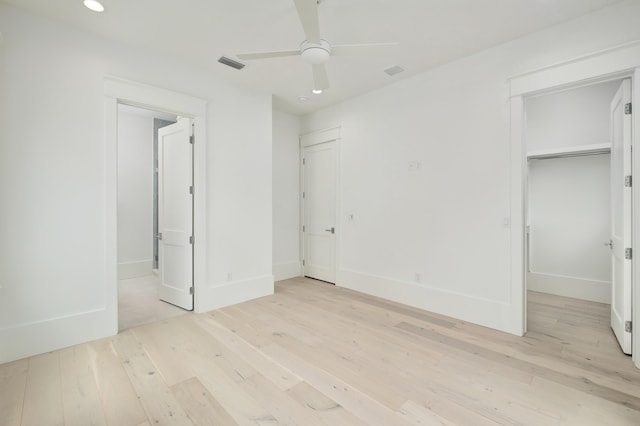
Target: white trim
{"type": "Point", "coordinates": [217, 296]}
{"type": "Point", "coordinates": [477, 310]}
{"type": "Point", "coordinates": [577, 288]}
{"type": "Point", "coordinates": [598, 66]}
{"type": "Point", "coordinates": [116, 91]}
{"type": "Point", "coordinates": [25, 340]}
{"type": "Point", "coordinates": [320, 136]}
{"type": "Point", "coordinates": [576, 59]}
{"type": "Point", "coordinates": [620, 61]}
{"type": "Point", "coordinates": [284, 271]}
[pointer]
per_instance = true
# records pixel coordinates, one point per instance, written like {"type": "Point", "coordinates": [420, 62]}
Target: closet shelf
{"type": "Point", "coordinates": [572, 151]}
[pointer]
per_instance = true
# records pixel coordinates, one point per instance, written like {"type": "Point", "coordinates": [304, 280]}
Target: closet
{"type": "Point", "coordinates": [568, 192]}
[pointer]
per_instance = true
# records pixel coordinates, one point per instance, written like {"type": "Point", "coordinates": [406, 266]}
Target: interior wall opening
{"type": "Point", "coordinates": [138, 254]}
{"type": "Point", "coordinates": [569, 204]}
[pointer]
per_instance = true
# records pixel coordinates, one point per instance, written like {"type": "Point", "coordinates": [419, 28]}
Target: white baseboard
{"type": "Point", "coordinates": [578, 288]}
{"type": "Point", "coordinates": [26, 340]}
{"type": "Point", "coordinates": [138, 268]}
{"type": "Point", "coordinates": [489, 313]}
{"type": "Point", "coordinates": [230, 293]}
{"type": "Point", "coordinates": [284, 271]}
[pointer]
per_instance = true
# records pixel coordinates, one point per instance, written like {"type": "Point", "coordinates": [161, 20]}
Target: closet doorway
{"type": "Point", "coordinates": [569, 197]}
{"type": "Point", "coordinates": [138, 276]}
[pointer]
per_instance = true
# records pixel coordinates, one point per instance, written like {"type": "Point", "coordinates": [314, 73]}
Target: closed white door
{"type": "Point", "coordinates": [319, 206]}
{"type": "Point", "coordinates": [621, 216]}
{"type": "Point", "coordinates": [175, 214]}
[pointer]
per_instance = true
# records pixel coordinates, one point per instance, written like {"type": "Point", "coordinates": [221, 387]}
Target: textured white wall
{"type": "Point", "coordinates": [446, 221]}
{"type": "Point", "coordinates": [286, 193]}
{"type": "Point", "coordinates": [52, 180]}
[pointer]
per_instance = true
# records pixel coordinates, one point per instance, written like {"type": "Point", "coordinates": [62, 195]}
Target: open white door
{"type": "Point", "coordinates": [621, 215]}
{"type": "Point", "coordinates": [319, 200]}
{"type": "Point", "coordinates": [175, 213]}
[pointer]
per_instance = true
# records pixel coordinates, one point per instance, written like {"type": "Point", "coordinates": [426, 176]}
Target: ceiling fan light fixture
{"type": "Point", "coordinates": [94, 5]}
{"type": "Point", "coordinates": [315, 53]}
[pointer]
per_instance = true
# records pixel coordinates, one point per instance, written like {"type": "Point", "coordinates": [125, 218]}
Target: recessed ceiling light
{"type": "Point", "coordinates": [316, 91]}
{"type": "Point", "coordinates": [94, 5]}
{"type": "Point", "coordinates": [303, 98]}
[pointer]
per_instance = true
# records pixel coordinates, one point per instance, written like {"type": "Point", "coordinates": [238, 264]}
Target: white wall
{"type": "Point", "coordinates": [286, 193]}
{"type": "Point", "coordinates": [449, 221]}
{"type": "Point", "coordinates": [569, 198]}
{"type": "Point", "coordinates": [135, 195]}
{"type": "Point", "coordinates": [570, 118]}
{"type": "Point", "coordinates": [570, 204]}
{"type": "Point", "coordinates": [52, 182]}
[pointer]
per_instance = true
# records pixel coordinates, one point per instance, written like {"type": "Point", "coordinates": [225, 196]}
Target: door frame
{"type": "Point", "coordinates": [310, 139]}
{"type": "Point", "coordinates": [615, 63]}
{"type": "Point", "coordinates": [121, 91]}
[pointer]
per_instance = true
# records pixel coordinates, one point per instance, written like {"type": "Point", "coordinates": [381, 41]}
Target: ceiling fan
{"type": "Point", "coordinates": [314, 49]}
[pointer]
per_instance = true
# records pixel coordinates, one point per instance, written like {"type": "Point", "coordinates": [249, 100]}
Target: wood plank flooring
{"type": "Point", "coordinates": [314, 354]}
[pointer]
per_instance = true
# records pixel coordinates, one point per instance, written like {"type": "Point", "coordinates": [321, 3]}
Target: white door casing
{"type": "Point", "coordinates": [319, 210]}
{"type": "Point", "coordinates": [175, 213]}
{"type": "Point", "coordinates": [621, 216]}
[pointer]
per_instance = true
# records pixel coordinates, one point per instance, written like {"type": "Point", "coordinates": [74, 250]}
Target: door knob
{"type": "Point", "coordinates": [610, 244]}
{"type": "Point", "coordinates": [332, 230]}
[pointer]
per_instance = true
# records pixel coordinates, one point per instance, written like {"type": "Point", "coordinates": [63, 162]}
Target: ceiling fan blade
{"type": "Point", "coordinates": [340, 48]}
{"type": "Point", "coordinates": [308, 14]}
{"type": "Point", "coordinates": [266, 55]}
{"type": "Point", "coordinates": [320, 78]}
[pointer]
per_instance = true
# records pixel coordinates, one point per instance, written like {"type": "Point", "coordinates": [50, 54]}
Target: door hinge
{"type": "Point", "coordinates": [191, 240]}
{"type": "Point", "coordinates": [304, 161]}
{"type": "Point", "coordinates": [304, 195]}
{"type": "Point", "coordinates": [303, 228]}
{"type": "Point", "coordinates": [628, 181]}
{"type": "Point", "coordinates": [191, 290]}
{"type": "Point", "coordinates": [191, 139]}
{"type": "Point", "coordinates": [628, 253]}
{"type": "Point", "coordinates": [628, 326]}
{"type": "Point", "coordinates": [627, 108]}
{"type": "Point", "coordinates": [302, 262]}
{"type": "Point", "coordinates": [159, 236]}
{"type": "Point", "coordinates": [191, 190]}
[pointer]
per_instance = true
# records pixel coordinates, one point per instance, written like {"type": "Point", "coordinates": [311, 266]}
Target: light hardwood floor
{"type": "Point", "coordinates": [138, 302]}
{"type": "Point", "coordinates": [314, 354]}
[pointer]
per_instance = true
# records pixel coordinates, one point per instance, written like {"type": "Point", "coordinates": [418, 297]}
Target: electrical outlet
{"type": "Point", "coordinates": [414, 166]}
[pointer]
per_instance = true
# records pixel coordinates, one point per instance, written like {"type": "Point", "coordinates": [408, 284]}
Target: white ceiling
{"type": "Point", "coordinates": [429, 33]}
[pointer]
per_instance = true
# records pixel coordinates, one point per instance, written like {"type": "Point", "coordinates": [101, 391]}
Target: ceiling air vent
{"type": "Point", "coordinates": [231, 63]}
{"type": "Point", "coordinates": [394, 70]}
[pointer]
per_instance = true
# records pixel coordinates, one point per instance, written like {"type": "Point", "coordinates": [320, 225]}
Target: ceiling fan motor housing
{"type": "Point", "coordinates": [315, 53]}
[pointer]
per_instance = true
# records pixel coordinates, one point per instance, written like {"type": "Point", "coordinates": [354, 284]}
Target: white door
{"type": "Point", "coordinates": [319, 206]}
{"type": "Point", "coordinates": [175, 217]}
{"type": "Point", "coordinates": [621, 216]}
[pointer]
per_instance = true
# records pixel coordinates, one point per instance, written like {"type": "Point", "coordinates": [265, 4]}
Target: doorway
{"type": "Point", "coordinates": [119, 91]}
{"type": "Point", "coordinates": [139, 279]}
{"type": "Point", "coordinates": [319, 204]}
{"type": "Point", "coordinates": [571, 195]}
